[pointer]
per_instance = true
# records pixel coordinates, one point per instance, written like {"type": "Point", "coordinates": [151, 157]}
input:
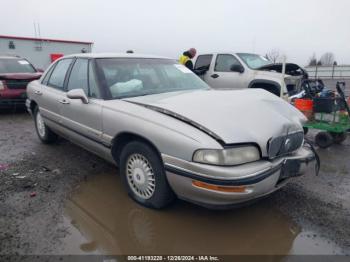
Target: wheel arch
{"type": "Point", "coordinates": [256, 82]}
{"type": "Point", "coordinates": [122, 139]}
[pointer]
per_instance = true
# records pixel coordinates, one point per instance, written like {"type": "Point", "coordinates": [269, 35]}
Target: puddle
{"type": "Point", "coordinates": [104, 220]}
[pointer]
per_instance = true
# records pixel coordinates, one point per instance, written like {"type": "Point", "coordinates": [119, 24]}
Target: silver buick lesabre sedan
{"type": "Point", "coordinates": [170, 134]}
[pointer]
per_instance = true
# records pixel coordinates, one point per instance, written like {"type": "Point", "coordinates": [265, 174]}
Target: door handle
{"type": "Point", "coordinates": [37, 92]}
{"type": "Point", "coordinates": [63, 101]}
{"type": "Point", "coordinates": [215, 76]}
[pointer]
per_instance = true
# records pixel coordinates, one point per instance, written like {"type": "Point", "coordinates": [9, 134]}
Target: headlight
{"type": "Point", "coordinates": [227, 157]}
{"type": "Point", "coordinates": [2, 85]}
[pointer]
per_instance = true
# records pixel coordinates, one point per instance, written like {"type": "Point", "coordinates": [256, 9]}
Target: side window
{"type": "Point", "coordinates": [79, 76]}
{"type": "Point", "coordinates": [203, 61]}
{"type": "Point", "coordinates": [47, 76]}
{"type": "Point", "coordinates": [224, 62]}
{"type": "Point", "coordinates": [93, 87]}
{"type": "Point", "coordinates": [59, 74]}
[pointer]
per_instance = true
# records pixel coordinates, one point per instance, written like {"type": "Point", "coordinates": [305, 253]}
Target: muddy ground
{"type": "Point", "coordinates": [60, 199]}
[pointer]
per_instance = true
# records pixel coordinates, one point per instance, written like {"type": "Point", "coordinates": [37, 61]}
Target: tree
{"type": "Point", "coordinates": [327, 59]}
{"type": "Point", "coordinates": [313, 60]}
{"type": "Point", "coordinates": [273, 55]}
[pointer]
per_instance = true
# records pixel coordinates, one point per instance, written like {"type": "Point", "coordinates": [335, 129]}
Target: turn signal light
{"type": "Point", "coordinates": [228, 189]}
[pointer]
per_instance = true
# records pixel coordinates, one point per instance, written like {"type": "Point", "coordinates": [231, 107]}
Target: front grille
{"type": "Point", "coordinates": [284, 145]}
{"type": "Point", "coordinates": [17, 84]}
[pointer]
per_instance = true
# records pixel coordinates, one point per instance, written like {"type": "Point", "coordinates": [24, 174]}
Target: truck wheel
{"type": "Point", "coordinates": [324, 139]}
{"type": "Point", "coordinates": [44, 132]}
{"type": "Point", "coordinates": [339, 137]}
{"type": "Point", "coordinates": [143, 174]}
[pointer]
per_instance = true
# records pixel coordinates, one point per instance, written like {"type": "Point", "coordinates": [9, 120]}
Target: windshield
{"type": "Point", "coordinates": [254, 61]}
{"type": "Point", "coordinates": [11, 65]}
{"type": "Point", "coordinates": [130, 77]}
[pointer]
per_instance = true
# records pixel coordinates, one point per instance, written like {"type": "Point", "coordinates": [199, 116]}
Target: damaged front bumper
{"type": "Point", "coordinates": [222, 187]}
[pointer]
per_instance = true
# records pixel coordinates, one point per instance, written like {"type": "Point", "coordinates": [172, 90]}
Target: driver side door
{"type": "Point", "coordinates": [222, 77]}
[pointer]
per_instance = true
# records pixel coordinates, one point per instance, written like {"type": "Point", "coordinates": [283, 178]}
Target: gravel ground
{"type": "Point", "coordinates": [36, 180]}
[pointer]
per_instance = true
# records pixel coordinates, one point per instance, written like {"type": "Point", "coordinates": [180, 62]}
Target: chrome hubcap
{"type": "Point", "coordinates": [140, 176]}
{"type": "Point", "coordinates": [40, 125]}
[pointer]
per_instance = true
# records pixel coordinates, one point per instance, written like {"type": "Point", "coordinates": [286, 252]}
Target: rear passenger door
{"type": "Point", "coordinates": [84, 120]}
{"type": "Point", "coordinates": [50, 94]}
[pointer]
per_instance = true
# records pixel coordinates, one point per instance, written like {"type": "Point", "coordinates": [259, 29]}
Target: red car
{"type": "Point", "coordinates": [15, 74]}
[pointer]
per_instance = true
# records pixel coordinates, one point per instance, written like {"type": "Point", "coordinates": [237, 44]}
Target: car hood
{"type": "Point", "coordinates": [291, 69]}
{"type": "Point", "coordinates": [20, 76]}
{"type": "Point", "coordinates": [232, 116]}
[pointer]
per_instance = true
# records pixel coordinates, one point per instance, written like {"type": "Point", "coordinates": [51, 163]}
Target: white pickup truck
{"type": "Point", "coordinates": [245, 70]}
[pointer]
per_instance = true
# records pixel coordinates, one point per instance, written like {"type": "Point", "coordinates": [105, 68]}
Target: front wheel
{"type": "Point", "coordinates": [143, 174]}
{"type": "Point", "coordinates": [44, 132]}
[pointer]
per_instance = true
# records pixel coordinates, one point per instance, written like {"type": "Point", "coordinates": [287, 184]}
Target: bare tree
{"type": "Point", "coordinates": [273, 55]}
{"type": "Point", "coordinates": [327, 59]}
{"type": "Point", "coordinates": [312, 60]}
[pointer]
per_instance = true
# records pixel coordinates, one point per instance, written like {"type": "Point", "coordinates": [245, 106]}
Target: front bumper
{"type": "Point", "coordinates": [12, 102]}
{"type": "Point", "coordinates": [29, 109]}
{"type": "Point", "coordinates": [9, 98]}
{"type": "Point", "coordinates": [258, 179]}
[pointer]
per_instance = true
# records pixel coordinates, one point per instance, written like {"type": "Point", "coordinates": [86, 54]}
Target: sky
{"type": "Point", "coordinates": [297, 28]}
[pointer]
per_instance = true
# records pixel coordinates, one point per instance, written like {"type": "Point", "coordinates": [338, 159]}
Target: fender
{"type": "Point", "coordinates": [183, 119]}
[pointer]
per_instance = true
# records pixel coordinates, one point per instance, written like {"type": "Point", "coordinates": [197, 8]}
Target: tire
{"type": "Point", "coordinates": [324, 139]}
{"type": "Point", "coordinates": [306, 130]}
{"type": "Point", "coordinates": [339, 138]}
{"type": "Point", "coordinates": [143, 175]}
{"type": "Point", "coordinates": [43, 131]}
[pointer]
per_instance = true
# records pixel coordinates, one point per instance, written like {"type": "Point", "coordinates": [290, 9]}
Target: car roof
{"type": "Point", "coordinates": [115, 55]}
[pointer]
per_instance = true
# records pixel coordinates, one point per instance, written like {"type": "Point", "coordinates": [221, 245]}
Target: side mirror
{"type": "Point", "coordinates": [40, 70]}
{"type": "Point", "coordinates": [237, 68]}
{"type": "Point", "coordinates": [78, 94]}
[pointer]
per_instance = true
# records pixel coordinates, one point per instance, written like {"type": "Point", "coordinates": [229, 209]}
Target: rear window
{"type": "Point", "coordinates": [12, 65]}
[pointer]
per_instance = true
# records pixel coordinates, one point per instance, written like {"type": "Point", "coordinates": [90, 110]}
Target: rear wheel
{"type": "Point", "coordinates": [339, 137]}
{"type": "Point", "coordinates": [44, 132]}
{"type": "Point", "coordinates": [143, 175]}
{"type": "Point", "coordinates": [324, 139]}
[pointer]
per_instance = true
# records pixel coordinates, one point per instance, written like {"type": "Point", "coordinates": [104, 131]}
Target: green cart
{"type": "Point", "coordinates": [334, 127]}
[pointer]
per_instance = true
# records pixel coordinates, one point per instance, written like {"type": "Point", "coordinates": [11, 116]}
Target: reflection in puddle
{"type": "Point", "coordinates": [111, 223]}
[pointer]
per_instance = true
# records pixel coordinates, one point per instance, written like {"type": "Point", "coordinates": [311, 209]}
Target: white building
{"type": "Point", "coordinates": [41, 51]}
